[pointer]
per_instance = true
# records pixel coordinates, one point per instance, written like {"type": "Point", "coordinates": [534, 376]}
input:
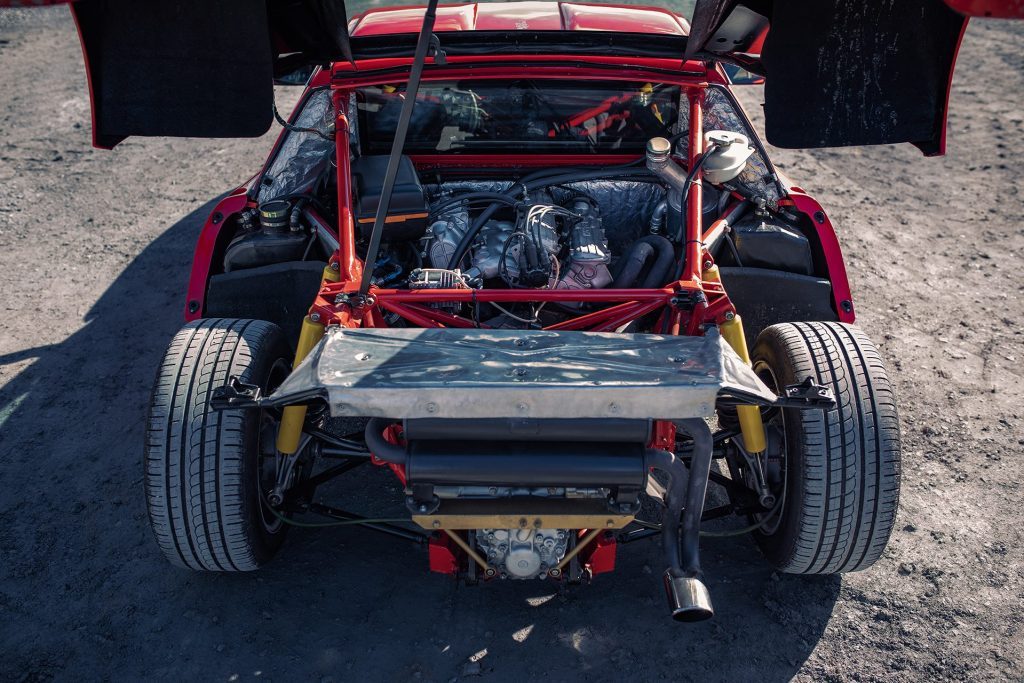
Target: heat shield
{"type": "Point", "coordinates": [455, 373]}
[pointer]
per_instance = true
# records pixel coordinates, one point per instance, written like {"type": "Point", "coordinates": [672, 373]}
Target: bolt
{"type": "Point", "coordinates": [708, 264]}
{"type": "Point", "coordinates": [335, 266]}
{"type": "Point", "coordinates": [613, 408]}
{"type": "Point", "coordinates": [537, 523]}
{"type": "Point", "coordinates": [314, 317]}
{"type": "Point", "coordinates": [819, 216]}
{"type": "Point", "coordinates": [522, 522]}
{"type": "Point", "coordinates": [490, 571]}
{"type": "Point", "coordinates": [193, 306]}
{"type": "Point", "coordinates": [522, 407]}
{"type": "Point", "coordinates": [729, 315]}
{"type": "Point", "coordinates": [436, 524]}
{"type": "Point", "coordinates": [846, 305]}
{"type": "Point", "coordinates": [217, 218]}
{"type": "Point", "coordinates": [519, 372]}
{"type": "Point", "coordinates": [431, 407]}
{"type": "Point", "coordinates": [555, 572]}
{"type": "Point", "coordinates": [610, 524]}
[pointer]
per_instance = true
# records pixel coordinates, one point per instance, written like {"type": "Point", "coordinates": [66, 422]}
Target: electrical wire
{"type": "Point", "coordinates": [298, 129]}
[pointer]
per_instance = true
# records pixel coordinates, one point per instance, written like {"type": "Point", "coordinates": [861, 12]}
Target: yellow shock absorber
{"type": "Point", "coordinates": [293, 417]}
{"type": "Point", "coordinates": [750, 416]}
{"type": "Point", "coordinates": [751, 425]}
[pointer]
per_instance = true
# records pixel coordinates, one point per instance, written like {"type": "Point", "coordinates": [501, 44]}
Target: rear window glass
{"type": "Point", "coordinates": [523, 116]}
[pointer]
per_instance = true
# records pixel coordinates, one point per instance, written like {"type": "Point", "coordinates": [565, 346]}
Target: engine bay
{"type": "Point", "coordinates": [455, 225]}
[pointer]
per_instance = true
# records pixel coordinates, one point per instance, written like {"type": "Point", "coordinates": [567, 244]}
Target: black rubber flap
{"type": "Point", "coordinates": [840, 72]}
{"type": "Point", "coordinates": [182, 69]}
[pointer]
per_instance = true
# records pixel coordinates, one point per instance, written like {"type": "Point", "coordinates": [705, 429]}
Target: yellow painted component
{"type": "Point", "coordinates": [751, 425]}
{"type": "Point", "coordinates": [331, 275]}
{"type": "Point", "coordinates": [293, 417]}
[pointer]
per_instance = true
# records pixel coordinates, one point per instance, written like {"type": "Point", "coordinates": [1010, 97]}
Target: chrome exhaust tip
{"type": "Point", "coordinates": [688, 598]}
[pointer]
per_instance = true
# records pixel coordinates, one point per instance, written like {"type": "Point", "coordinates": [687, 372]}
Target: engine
{"type": "Point", "coordinates": [523, 553]}
{"type": "Point", "coordinates": [528, 251]}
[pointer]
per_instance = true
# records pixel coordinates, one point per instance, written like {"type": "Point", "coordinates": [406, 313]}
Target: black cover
{"type": "Point", "coordinates": [407, 212]}
{"type": "Point", "coordinates": [771, 244]}
{"type": "Point", "coordinates": [193, 68]}
{"type": "Point", "coordinates": [529, 429]}
{"type": "Point", "coordinates": [279, 293]}
{"type": "Point", "coordinates": [540, 463]}
{"type": "Point", "coordinates": [841, 72]}
{"type": "Point", "coordinates": [766, 297]}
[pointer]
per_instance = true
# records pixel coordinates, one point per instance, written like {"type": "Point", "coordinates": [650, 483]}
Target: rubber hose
{"type": "Point", "coordinates": [632, 263]}
{"type": "Point", "coordinates": [529, 186]}
{"type": "Point", "coordinates": [658, 274]}
{"type": "Point", "coordinates": [381, 447]}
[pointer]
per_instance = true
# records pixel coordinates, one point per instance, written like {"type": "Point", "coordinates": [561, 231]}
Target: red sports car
{"type": "Point", "coordinates": [533, 258]}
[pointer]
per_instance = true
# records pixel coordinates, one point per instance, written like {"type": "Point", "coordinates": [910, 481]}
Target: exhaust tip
{"type": "Point", "coordinates": [688, 598]}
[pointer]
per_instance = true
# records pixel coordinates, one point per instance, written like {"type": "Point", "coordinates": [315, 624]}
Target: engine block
{"type": "Point", "coordinates": [523, 553]}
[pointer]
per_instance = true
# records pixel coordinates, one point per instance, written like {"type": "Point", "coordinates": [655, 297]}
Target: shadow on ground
{"type": "Point", "coordinates": [86, 594]}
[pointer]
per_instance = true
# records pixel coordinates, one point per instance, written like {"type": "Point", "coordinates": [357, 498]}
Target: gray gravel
{"type": "Point", "coordinates": [95, 249]}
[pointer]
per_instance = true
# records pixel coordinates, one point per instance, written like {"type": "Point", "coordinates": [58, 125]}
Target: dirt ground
{"type": "Point", "coordinates": [95, 249]}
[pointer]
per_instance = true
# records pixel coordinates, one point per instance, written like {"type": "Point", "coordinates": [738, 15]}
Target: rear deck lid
{"type": "Point", "coordinates": [838, 73]}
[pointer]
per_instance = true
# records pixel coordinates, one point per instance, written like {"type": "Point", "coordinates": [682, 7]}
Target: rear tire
{"type": "Point", "coordinates": [204, 467]}
{"type": "Point", "coordinates": [842, 466]}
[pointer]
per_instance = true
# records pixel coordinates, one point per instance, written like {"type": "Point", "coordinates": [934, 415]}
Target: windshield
{"type": "Point", "coordinates": [522, 116]}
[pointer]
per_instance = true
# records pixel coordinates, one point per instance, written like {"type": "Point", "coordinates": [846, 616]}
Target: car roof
{"type": "Point", "coordinates": [522, 16]}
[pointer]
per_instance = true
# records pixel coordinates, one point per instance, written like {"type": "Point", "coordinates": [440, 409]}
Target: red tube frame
{"type": "Point", "coordinates": [689, 303]}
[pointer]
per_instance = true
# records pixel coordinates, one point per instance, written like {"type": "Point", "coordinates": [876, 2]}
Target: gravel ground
{"type": "Point", "coordinates": [95, 249]}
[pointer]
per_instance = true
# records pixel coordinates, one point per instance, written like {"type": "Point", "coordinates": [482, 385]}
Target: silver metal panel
{"type": "Point", "coordinates": [454, 373]}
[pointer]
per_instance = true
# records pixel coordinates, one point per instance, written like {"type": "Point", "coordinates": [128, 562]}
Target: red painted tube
{"type": "Point", "coordinates": [694, 200]}
{"type": "Point", "coordinates": [628, 316]}
{"type": "Point", "coordinates": [350, 267]}
{"type": "Point", "coordinates": [522, 295]}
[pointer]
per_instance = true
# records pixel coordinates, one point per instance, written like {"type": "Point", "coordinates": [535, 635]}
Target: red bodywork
{"type": "Point", "coordinates": [685, 306]}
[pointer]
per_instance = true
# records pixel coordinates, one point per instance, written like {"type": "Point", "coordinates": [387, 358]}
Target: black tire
{"type": "Point", "coordinates": [203, 467]}
{"type": "Point", "coordinates": [841, 466]}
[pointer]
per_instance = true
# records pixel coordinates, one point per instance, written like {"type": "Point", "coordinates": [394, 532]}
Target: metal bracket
{"type": "Point", "coordinates": [688, 300]}
{"type": "Point", "coordinates": [236, 394]}
{"type": "Point", "coordinates": [808, 394]}
{"type": "Point", "coordinates": [355, 300]}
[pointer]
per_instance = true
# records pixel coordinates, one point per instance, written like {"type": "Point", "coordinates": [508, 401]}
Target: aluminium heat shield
{"type": "Point", "coordinates": [406, 373]}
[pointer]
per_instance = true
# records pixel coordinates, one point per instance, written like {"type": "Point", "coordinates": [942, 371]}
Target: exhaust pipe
{"type": "Point", "coordinates": [688, 597]}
